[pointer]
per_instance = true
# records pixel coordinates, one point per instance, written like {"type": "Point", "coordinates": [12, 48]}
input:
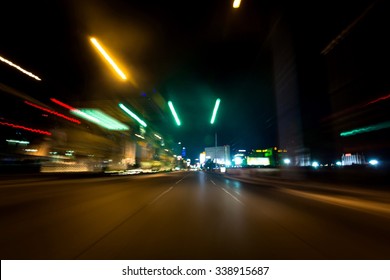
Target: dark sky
{"type": "Point", "coordinates": [193, 53]}
{"type": "Point", "coordinates": [187, 52]}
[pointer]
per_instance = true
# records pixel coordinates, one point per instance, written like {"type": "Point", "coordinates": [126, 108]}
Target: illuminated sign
{"type": "Point", "coordinates": [258, 161]}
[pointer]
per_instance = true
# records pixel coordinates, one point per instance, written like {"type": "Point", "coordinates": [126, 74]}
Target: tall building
{"type": "Point", "coordinates": [331, 79]}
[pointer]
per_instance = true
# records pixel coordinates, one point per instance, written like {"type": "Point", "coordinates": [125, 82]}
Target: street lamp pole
{"type": "Point", "coordinates": [215, 147]}
{"type": "Point", "coordinates": [216, 106]}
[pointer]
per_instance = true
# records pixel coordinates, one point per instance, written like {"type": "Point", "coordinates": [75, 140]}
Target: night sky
{"type": "Point", "coordinates": [188, 52]}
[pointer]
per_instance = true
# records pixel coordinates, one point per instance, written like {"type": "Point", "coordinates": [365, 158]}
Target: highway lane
{"type": "Point", "coordinates": [185, 215]}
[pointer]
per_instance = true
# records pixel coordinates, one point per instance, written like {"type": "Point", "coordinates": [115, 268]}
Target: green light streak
{"type": "Point", "coordinates": [365, 129]}
{"type": "Point", "coordinates": [131, 114]}
{"type": "Point", "coordinates": [100, 118]}
{"type": "Point", "coordinates": [110, 122]}
{"type": "Point", "coordinates": [215, 110]}
{"type": "Point", "coordinates": [174, 113]}
{"type": "Point", "coordinates": [85, 116]}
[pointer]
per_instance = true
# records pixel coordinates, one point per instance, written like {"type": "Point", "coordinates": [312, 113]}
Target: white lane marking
{"type": "Point", "coordinates": [235, 198]}
{"type": "Point", "coordinates": [237, 192]}
{"type": "Point", "coordinates": [160, 195]}
{"type": "Point", "coordinates": [179, 181]}
{"type": "Point", "coordinates": [165, 192]}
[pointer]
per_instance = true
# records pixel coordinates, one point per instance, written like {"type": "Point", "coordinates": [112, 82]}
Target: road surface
{"type": "Point", "coordinates": [189, 215]}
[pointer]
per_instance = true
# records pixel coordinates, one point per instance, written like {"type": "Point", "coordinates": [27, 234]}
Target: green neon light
{"type": "Point", "coordinates": [134, 116]}
{"type": "Point", "coordinates": [98, 117]}
{"type": "Point", "coordinates": [174, 113]}
{"type": "Point", "coordinates": [365, 129]}
{"type": "Point", "coordinates": [215, 110]}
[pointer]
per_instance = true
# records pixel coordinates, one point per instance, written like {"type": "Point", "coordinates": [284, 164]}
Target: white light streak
{"type": "Point", "coordinates": [20, 68]}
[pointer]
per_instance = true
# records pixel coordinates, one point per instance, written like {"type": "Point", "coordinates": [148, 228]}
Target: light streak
{"type": "Point", "coordinates": [365, 129]}
{"type": "Point", "coordinates": [52, 112]}
{"type": "Point", "coordinates": [108, 58]}
{"type": "Point", "coordinates": [98, 117]}
{"type": "Point", "coordinates": [134, 116]}
{"type": "Point", "coordinates": [26, 128]}
{"type": "Point", "coordinates": [105, 119]}
{"type": "Point", "coordinates": [170, 104]}
{"type": "Point", "coordinates": [18, 141]}
{"type": "Point", "coordinates": [62, 104]}
{"type": "Point", "coordinates": [378, 99]}
{"type": "Point", "coordinates": [20, 68]}
{"type": "Point", "coordinates": [215, 110]}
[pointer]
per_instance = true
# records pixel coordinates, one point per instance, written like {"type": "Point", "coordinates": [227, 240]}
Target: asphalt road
{"type": "Point", "coordinates": [189, 215]}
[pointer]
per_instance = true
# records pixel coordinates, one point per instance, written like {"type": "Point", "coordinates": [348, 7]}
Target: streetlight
{"type": "Point", "coordinates": [108, 58]}
{"type": "Point", "coordinates": [236, 4]}
{"type": "Point", "coordinates": [216, 106]}
{"type": "Point", "coordinates": [170, 104]}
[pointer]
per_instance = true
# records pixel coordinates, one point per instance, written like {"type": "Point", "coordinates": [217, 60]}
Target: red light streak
{"type": "Point", "coordinates": [53, 112]}
{"type": "Point", "coordinates": [62, 104]}
{"type": "Point", "coordinates": [351, 109]}
{"type": "Point", "coordinates": [378, 99]}
{"type": "Point", "coordinates": [26, 128]}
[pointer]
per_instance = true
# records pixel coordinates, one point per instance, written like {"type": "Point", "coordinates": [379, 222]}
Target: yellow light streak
{"type": "Point", "coordinates": [236, 4]}
{"type": "Point", "coordinates": [20, 68]}
{"type": "Point", "coordinates": [108, 58]}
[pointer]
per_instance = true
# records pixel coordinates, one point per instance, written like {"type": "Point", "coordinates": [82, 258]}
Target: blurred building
{"type": "Point", "coordinates": [219, 154]}
{"type": "Point", "coordinates": [331, 78]}
{"type": "Point", "coordinates": [359, 89]}
{"type": "Point", "coordinates": [352, 159]}
{"type": "Point", "coordinates": [56, 139]}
